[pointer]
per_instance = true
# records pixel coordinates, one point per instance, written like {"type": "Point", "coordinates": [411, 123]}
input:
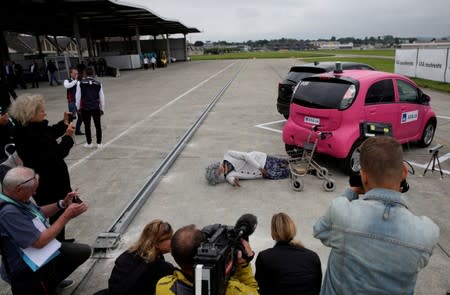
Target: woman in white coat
{"type": "Point", "coordinates": [241, 165]}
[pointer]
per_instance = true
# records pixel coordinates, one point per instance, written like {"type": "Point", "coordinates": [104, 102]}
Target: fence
{"type": "Point", "coordinates": [426, 63]}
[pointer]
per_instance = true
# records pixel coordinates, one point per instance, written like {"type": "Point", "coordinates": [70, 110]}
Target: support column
{"type": "Point", "coordinates": [185, 48]}
{"type": "Point", "coordinates": [38, 44]}
{"type": "Point", "coordinates": [138, 41]}
{"type": "Point", "coordinates": [76, 31]}
{"type": "Point", "coordinates": [168, 49]}
{"type": "Point", "coordinates": [56, 44]}
{"type": "Point", "coordinates": [4, 54]}
{"type": "Point", "coordinates": [89, 44]}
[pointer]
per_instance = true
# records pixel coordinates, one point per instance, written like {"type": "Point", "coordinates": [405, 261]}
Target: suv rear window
{"type": "Point", "coordinates": [327, 94]}
{"type": "Point", "coordinates": [297, 74]}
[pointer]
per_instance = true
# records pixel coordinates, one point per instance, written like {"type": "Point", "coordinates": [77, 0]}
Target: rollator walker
{"type": "Point", "coordinates": [301, 162]}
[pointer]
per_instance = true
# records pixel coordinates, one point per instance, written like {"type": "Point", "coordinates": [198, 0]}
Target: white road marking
{"type": "Point", "coordinates": [264, 126]}
{"type": "Point", "coordinates": [443, 117]}
{"type": "Point", "coordinates": [146, 118]}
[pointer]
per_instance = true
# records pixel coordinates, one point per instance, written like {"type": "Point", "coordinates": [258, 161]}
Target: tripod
{"type": "Point", "coordinates": [434, 158]}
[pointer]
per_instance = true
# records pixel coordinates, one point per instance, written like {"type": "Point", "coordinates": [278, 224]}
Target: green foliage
{"type": "Point", "coordinates": [262, 54]}
{"type": "Point", "coordinates": [221, 50]}
{"type": "Point", "coordinates": [381, 64]}
{"type": "Point", "coordinates": [435, 85]}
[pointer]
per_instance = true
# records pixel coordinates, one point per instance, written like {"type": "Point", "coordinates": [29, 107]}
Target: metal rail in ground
{"type": "Point", "coordinates": [110, 239]}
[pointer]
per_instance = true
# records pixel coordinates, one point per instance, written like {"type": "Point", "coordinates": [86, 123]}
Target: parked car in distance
{"type": "Point", "coordinates": [339, 102]}
{"type": "Point", "coordinates": [299, 72]}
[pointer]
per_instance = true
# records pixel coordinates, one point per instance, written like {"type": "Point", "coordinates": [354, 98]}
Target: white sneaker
{"type": "Point", "coordinates": [88, 145]}
{"type": "Point", "coordinates": [99, 145]}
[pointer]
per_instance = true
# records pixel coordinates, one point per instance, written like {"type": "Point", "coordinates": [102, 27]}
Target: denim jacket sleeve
{"type": "Point", "coordinates": [322, 227]}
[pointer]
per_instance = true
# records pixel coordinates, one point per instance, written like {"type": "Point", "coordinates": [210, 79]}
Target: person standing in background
{"type": "Point", "coordinates": [51, 70]}
{"type": "Point", "coordinates": [146, 63]}
{"type": "Point", "coordinates": [90, 102]}
{"type": "Point", "coordinates": [34, 70]}
{"type": "Point", "coordinates": [18, 73]}
{"type": "Point", "coordinates": [71, 85]}
{"type": "Point", "coordinates": [153, 61]}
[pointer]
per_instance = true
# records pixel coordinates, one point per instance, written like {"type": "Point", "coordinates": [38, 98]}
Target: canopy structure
{"type": "Point", "coordinates": [93, 18]}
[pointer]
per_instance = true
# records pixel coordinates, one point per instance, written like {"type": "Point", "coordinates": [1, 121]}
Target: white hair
{"type": "Point", "coordinates": [212, 174]}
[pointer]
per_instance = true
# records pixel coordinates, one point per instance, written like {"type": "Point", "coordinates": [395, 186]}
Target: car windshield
{"type": "Point", "coordinates": [326, 94]}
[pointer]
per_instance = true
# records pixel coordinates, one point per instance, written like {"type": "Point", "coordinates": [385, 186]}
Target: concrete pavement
{"type": "Point", "coordinates": [147, 111]}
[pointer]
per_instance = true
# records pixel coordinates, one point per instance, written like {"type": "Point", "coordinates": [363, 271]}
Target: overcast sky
{"type": "Point", "coordinates": [242, 20]}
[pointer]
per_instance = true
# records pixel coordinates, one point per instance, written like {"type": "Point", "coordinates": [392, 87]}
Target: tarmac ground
{"type": "Point", "coordinates": [146, 114]}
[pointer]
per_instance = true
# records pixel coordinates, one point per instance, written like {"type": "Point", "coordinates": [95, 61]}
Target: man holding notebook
{"type": "Point", "coordinates": [33, 262]}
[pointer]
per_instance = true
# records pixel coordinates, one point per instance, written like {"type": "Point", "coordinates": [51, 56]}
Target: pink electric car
{"type": "Point", "coordinates": [340, 101]}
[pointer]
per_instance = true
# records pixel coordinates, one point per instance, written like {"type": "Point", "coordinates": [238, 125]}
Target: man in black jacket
{"type": "Point", "coordinates": [90, 102]}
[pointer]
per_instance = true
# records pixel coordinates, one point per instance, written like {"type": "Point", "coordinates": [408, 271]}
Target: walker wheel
{"type": "Point", "coordinates": [297, 185]}
{"type": "Point", "coordinates": [322, 173]}
{"type": "Point", "coordinates": [329, 185]}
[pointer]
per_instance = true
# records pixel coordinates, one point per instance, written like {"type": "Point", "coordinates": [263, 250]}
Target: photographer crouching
{"type": "Point", "coordinates": [184, 245]}
{"type": "Point", "coordinates": [378, 244]}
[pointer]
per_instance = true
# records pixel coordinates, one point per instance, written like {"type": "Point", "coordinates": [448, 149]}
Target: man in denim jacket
{"type": "Point", "coordinates": [378, 244]}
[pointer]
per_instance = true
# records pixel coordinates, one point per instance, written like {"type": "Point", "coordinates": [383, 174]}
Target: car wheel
{"type": "Point", "coordinates": [351, 163]}
{"type": "Point", "coordinates": [428, 134]}
{"type": "Point", "coordinates": [286, 116]}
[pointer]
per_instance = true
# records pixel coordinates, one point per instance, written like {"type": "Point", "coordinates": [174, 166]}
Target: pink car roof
{"type": "Point", "coordinates": [365, 75]}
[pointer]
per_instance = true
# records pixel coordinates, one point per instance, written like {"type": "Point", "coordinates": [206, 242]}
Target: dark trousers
{"type": "Point", "coordinates": [73, 110]}
{"type": "Point", "coordinates": [45, 280]}
{"type": "Point", "coordinates": [95, 115]}
{"type": "Point", "coordinates": [35, 81]}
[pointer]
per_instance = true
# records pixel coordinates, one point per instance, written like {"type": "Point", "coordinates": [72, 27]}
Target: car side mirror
{"type": "Point", "coordinates": [425, 98]}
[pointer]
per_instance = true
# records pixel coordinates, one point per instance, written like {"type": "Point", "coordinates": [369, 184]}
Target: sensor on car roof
{"type": "Point", "coordinates": [338, 69]}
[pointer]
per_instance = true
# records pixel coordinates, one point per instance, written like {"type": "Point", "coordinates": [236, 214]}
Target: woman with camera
{"type": "Point", "coordinates": [37, 146]}
{"type": "Point", "coordinates": [288, 267]}
{"type": "Point", "coordinates": [138, 269]}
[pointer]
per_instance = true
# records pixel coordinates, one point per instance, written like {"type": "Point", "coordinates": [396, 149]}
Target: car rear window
{"type": "Point", "coordinates": [298, 73]}
{"type": "Point", "coordinates": [326, 94]}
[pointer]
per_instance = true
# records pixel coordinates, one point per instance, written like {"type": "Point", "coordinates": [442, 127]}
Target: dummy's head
{"type": "Point", "coordinates": [214, 173]}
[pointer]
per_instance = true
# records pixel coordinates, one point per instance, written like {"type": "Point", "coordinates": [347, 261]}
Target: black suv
{"type": "Point", "coordinates": [297, 73]}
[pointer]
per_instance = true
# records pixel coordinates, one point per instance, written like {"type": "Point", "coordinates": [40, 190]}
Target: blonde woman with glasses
{"type": "Point", "coordinates": [287, 268]}
{"type": "Point", "coordinates": [138, 269]}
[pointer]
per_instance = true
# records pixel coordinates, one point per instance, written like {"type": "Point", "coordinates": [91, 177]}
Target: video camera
{"type": "Point", "coordinates": [369, 129]}
{"type": "Point", "coordinates": [216, 257]}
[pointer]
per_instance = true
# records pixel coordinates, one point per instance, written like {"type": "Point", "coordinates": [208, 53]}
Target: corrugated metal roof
{"type": "Point", "coordinates": [97, 18]}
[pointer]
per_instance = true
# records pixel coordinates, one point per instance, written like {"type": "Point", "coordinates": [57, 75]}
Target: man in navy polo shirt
{"type": "Point", "coordinates": [90, 102]}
